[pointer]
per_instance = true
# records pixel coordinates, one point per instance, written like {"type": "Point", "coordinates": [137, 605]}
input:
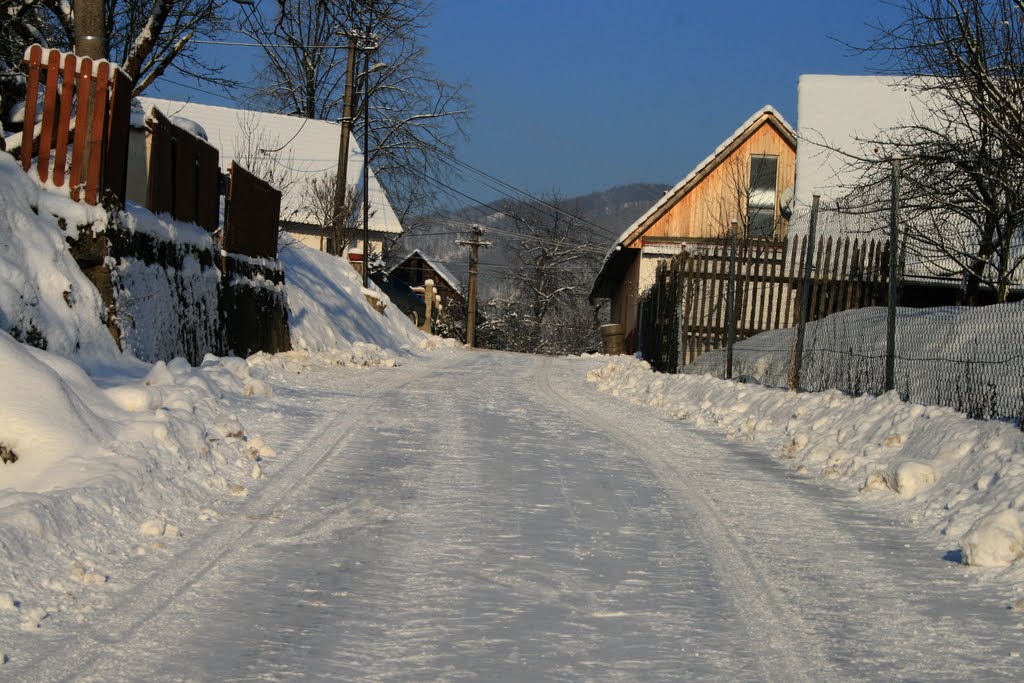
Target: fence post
{"type": "Point", "coordinates": [730, 302]}
{"type": "Point", "coordinates": [890, 326]}
{"type": "Point", "coordinates": [428, 311]}
{"type": "Point", "coordinates": [805, 299]}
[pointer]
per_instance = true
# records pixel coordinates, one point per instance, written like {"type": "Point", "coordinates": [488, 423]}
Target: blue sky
{"type": "Point", "coordinates": [583, 95]}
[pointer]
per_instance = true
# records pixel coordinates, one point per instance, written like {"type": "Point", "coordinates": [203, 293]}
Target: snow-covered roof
{"type": "Point", "coordinates": [446, 274]}
{"type": "Point", "coordinates": [305, 149]}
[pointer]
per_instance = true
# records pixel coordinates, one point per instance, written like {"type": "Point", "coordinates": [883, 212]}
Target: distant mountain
{"type": "Point", "coordinates": [611, 211]}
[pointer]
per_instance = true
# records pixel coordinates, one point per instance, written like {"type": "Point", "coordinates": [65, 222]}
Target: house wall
{"type": "Point", "coordinates": [707, 209]}
{"type": "Point", "coordinates": [842, 115]}
{"type": "Point", "coordinates": [623, 305]}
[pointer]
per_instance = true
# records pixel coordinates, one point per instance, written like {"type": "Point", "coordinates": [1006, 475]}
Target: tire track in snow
{"type": "Point", "coordinates": [788, 647]}
{"type": "Point", "coordinates": [72, 655]}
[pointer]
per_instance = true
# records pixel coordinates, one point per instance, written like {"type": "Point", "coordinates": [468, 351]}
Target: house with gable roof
{"type": "Point", "coordinates": [748, 179]}
{"type": "Point", "coordinates": [300, 151]}
{"type": "Point", "coordinates": [416, 268]}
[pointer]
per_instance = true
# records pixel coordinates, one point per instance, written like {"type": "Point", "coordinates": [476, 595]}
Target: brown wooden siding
{"type": "Point", "coordinates": [708, 207]}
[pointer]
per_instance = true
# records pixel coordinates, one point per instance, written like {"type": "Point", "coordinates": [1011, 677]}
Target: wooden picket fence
{"type": "Point", "coordinates": [685, 313]}
{"type": "Point", "coordinates": [86, 108]}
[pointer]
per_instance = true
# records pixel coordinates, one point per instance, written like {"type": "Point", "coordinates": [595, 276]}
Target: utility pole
{"type": "Point", "coordinates": [90, 33]}
{"type": "Point", "coordinates": [341, 179]}
{"type": "Point", "coordinates": [474, 245]}
{"type": "Point", "coordinates": [366, 168]}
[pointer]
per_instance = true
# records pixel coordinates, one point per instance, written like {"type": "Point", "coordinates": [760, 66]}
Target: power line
{"type": "Point", "coordinates": [284, 46]}
{"type": "Point", "coordinates": [423, 175]}
{"type": "Point", "coordinates": [453, 160]}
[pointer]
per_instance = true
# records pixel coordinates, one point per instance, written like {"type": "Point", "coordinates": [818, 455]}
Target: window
{"type": "Point", "coordinates": [761, 200]}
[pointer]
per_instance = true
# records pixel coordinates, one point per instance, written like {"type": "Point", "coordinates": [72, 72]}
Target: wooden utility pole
{"type": "Point", "coordinates": [474, 245]}
{"type": "Point", "coordinates": [366, 167]}
{"type": "Point", "coordinates": [90, 33]}
{"type": "Point", "coordinates": [341, 179]}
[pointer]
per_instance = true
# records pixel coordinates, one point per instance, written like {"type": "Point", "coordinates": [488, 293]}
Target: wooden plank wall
{"type": "Point", "coordinates": [184, 174]}
{"type": "Point", "coordinates": [715, 199]}
{"type": "Point", "coordinates": [847, 274]}
{"type": "Point", "coordinates": [85, 109]}
{"type": "Point", "coordinates": [253, 214]}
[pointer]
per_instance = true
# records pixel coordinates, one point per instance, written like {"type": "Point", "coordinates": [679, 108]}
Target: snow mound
{"type": "Point", "coordinates": [298, 362]}
{"type": "Point", "coordinates": [328, 311]}
{"type": "Point", "coordinates": [994, 541]}
{"type": "Point", "coordinates": [906, 479]}
{"type": "Point", "coordinates": [101, 469]}
{"type": "Point", "coordinates": [47, 424]}
{"type": "Point", "coordinates": [45, 299]}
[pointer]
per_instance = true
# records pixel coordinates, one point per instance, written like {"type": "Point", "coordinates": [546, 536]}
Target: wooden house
{"type": "Point", "coordinates": [416, 268]}
{"type": "Point", "coordinates": [299, 153]}
{"type": "Point", "coordinates": [748, 179]}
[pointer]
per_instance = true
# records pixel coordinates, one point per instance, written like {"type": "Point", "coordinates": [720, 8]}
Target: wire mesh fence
{"type": "Point", "coordinates": [839, 334]}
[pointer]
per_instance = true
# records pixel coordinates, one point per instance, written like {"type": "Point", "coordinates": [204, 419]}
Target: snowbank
{"type": "Point", "coordinates": [44, 297]}
{"type": "Point", "coordinates": [328, 311]}
{"type": "Point", "coordinates": [95, 471]}
{"type": "Point", "coordinates": [101, 470]}
{"type": "Point", "coordinates": [945, 471]}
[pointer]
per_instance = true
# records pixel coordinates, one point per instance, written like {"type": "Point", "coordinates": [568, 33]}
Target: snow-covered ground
{"type": "Point", "coordinates": [106, 457]}
{"type": "Point", "coordinates": [378, 504]}
{"type": "Point", "coordinates": [490, 516]}
{"type": "Point", "coordinates": [960, 480]}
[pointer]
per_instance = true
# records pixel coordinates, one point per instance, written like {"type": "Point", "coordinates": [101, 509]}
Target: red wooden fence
{"type": "Point", "coordinates": [86, 107]}
{"type": "Point", "coordinates": [81, 141]}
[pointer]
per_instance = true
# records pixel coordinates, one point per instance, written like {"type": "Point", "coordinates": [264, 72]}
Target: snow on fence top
{"type": "Point", "coordinates": [65, 57]}
{"type": "Point", "coordinates": [98, 93]}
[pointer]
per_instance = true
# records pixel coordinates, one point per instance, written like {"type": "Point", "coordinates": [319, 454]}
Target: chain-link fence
{"type": "Point", "coordinates": [847, 330]}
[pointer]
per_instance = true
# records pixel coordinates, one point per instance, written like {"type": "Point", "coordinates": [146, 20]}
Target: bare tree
{"type": "Point", "coordinates": [147, 39]}
{"type": "Point", "coordinates": [415, 116]}
{"type": "Point", "coordinates": [320, 202]}
{"type": "Point", "coordinates": [749, 198]}
{"type": "Point", "coordinates": [963, 152]}
{"type": "Point", "coordinates": [554, 260]}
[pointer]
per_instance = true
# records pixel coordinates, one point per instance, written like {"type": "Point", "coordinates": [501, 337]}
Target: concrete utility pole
{"type": "Point", "coordinates": [90, 33]}
{"type": "Point", "coordinates": [474, 245]}
{"type": "Point", "coordinates": [341, 184]}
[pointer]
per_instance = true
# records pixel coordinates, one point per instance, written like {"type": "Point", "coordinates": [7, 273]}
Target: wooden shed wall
{"type": "Point", "coordinates": [707, 209]}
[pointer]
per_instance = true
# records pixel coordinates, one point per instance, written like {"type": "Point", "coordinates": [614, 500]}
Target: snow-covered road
{"type": "Point", "coordinates": [488, 516]}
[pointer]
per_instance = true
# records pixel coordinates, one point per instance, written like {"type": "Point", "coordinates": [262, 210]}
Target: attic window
{"type": "Point", "coordinates": [761, 201]}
